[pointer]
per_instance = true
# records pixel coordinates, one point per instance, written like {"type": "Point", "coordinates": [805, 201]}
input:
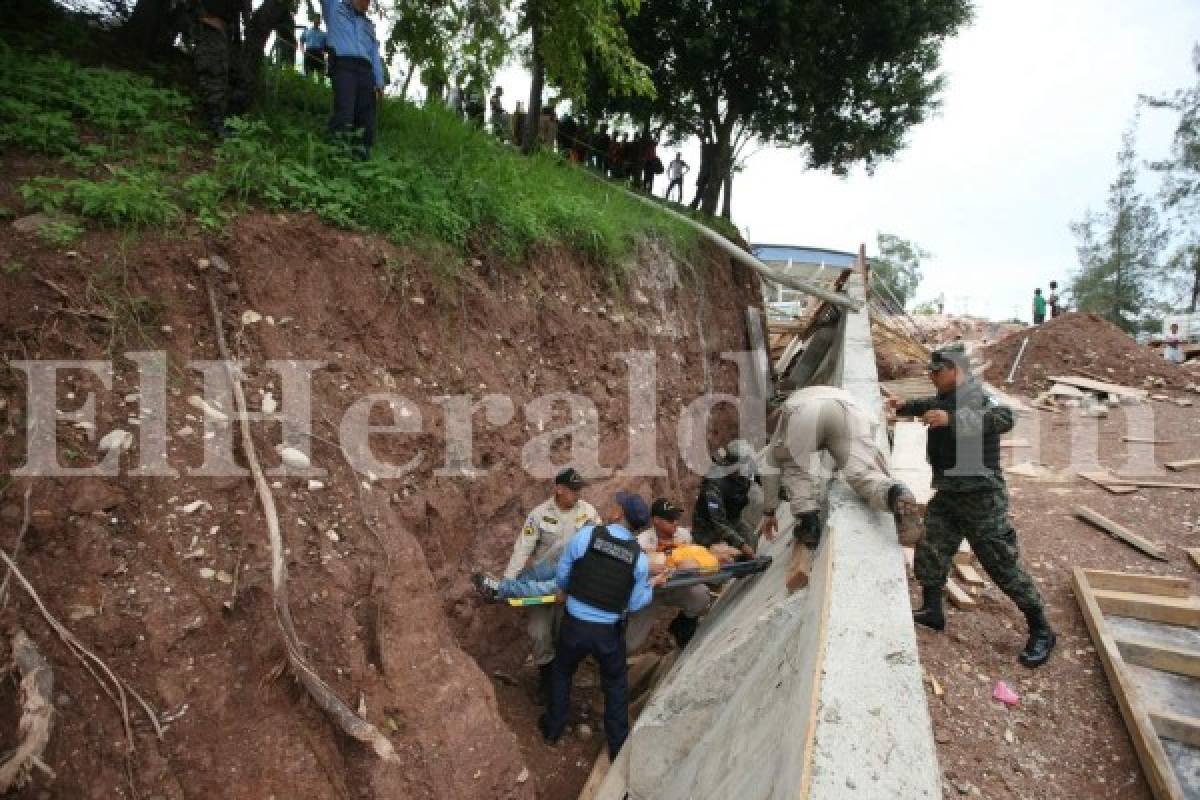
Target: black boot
{"type": "Point", "coordinates": [1041, 640]}
{"type": "Point", "coordinates": [683, 628]}
{"type": "Point", "coordinates": [545, 681]}
{"type": "Point", "coordinates": [930, 613]}
{"type": "Point", "coordinates": [807, 529]}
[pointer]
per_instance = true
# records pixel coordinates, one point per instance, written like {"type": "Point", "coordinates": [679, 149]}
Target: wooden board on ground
{"type": "Point", "coordinates": [959, 597]}
{"type": "Point", "coordinates": [1194, 552]}
{"type": "Point", "coordinates": [908, 462]}
{"type": "Point", "coordinates": [1153, 680]}
{"type": "Point", "coordinates": [1164, 585]}
{"type": "Point", "coordinates": [968, 575]}
{"type": "Point", "coordinates": [1150, 607]}
{"type": "Point", "coordinates": [1108, 482]}
{"type": "Point", "coordinates": [1179, 466]}
{"type": "Point", "coordinates": [1146, 440]}
{"type": "Point", "coordinates": [1014, 443]}
{"type": "Point", "coordinates": [1100, 386]}
{"type": "Point", "coordinates": [1120, 532]}
{"type": "Point", "coordinates": [1139, 483]}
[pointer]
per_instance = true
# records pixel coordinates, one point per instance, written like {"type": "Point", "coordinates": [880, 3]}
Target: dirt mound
{"type": "Point", "coordinates": [179, 601]}
{"type": "Point", "coordinates": [1078, 344]}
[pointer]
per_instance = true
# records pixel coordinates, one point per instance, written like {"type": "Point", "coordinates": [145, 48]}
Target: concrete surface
{"type": "Point", "coordinates": [767, 702]}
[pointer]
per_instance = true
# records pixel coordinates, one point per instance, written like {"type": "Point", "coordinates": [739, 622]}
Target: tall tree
{"type": "Point", "coordinates": [1181, 182]}
{"type": "Point", "coordinates": [1120, 249]}
{"type": "Point", "coordinates": [897, 268]}
{"type": "Point", "coordinates": [468, 39]}
{"type": "Point", "coordinates": [569, 39]}
{"type": "Point", "coordinates": [841, 80]}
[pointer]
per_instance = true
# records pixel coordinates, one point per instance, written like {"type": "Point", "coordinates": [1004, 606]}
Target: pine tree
{"type": "Point", "coordinates": [1120, 249]}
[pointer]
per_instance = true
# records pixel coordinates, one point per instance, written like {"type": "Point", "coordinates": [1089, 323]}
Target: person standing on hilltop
{"type": "Point", "coordinates": [356, 71]}
{"type": "Point", "coordinates": [1053, 300]}
{"type": "Point", "coordinates": [220, 72]}
{"type": "Point", "coordinates": [315, 42]}
{"type": "Point", "coordinates": [1039, 307]}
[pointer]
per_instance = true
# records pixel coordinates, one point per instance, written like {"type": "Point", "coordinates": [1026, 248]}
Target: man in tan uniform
{"type": "Point", "coordinates": [546, 532]}
{"type": "Point", "coordinates": [827, 418]}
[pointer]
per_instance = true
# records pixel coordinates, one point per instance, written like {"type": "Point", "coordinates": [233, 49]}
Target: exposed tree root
{"type": "Point", "coordinates": [37, 714]}
{"type": "Point", "coordinates": [347, 721]}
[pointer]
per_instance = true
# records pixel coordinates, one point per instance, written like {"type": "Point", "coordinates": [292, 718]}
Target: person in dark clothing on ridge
{"type": "Point", "coordinates": [729, 504]}
{"type": "Point", "coordinates": [220, 71]}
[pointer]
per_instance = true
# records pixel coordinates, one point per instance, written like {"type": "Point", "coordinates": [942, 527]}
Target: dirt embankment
{"type": "Point", "coordinates": [179, 601]}
{"type": "Point", "coordinates": [1079, 344]}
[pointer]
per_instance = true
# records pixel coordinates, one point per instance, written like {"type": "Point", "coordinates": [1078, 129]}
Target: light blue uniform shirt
{"type": "Point", "coordinates": [314, 39]}
{"type": "Point", "coordinates": [352, 35]}
{"type": "Point", "coordinates": [576, 548]}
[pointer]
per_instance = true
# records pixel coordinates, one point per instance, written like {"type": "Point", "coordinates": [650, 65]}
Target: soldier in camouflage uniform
{"type": "Point", "coordinates": [220, 73]}
{"type": "Point", "coordinates": [965, 424]}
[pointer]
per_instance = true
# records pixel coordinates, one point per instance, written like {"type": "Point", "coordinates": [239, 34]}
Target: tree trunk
{"type": "Point", "coordinates": [267, 18]}
{"type": "Point", "coordinates": [1195, 281]}
{"type": "Point", "coordinates": [727, 203]}
{"type": "Point", "coordinates": [722, 165]}
{"type": "Point", "coordinates": [407, 80]}
{"type": "Point", "coordinates": [152, 27]}
{"type": "Point", "coordinates": [703, 173]}
{"type": "Point", "coordinates": [538, 70]}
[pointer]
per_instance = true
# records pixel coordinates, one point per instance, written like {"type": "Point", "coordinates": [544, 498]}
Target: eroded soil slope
{"type": "Point", "coordinates": [177, 599]}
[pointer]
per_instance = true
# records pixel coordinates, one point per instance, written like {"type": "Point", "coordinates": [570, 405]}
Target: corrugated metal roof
{"type": "Point", "coordinates": [798, 254]}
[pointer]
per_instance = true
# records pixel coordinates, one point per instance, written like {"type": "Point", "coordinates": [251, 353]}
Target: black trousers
{"type": "Point", "coordinates": [606, 643]}
{"type": "Point", "coordinates": [353, 102]}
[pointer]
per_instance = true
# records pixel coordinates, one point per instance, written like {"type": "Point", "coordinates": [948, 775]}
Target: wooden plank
{"type": "Point", "coordinates": [910, 557]}
{"type": "Point", "coordinates": [1105, 481]}
{"type": "Point", "coordinates": [1179, 466]}
{"type": "Point", "coordinates": [1120, 532]}
{"type": "Point", "coordinates": [1099, 386]}
{"type": "Point", "coordinates": [1014, 443]}
{"type": "Point", "coordinates": [964, 554]}
{"type": "Point", "coordinates": [1151, 484]}
{"type": "Point", "coordinates": [968, 575]}
{"type": "Point", "coordinates": [1194, 552]}
{"type": "Point", "coordinates": [1163, 657]}
{"type": "Point", "coordinates": [1146, 743]}
{"type": "Point", "coordinates": [599, 772]}
{"type": "Point", "coordinates": [959, 597]}
{"type": "Point", "coordinates": [800, 568]}
{"type": "Point", "coordinates": [1179, 727]}
{"type": "Point", "coordinates": [1154, 608]}
{"type": "Point", "coordinates": [1146, 440]}
{"type": "Point", "coordinates": [1162, 585]}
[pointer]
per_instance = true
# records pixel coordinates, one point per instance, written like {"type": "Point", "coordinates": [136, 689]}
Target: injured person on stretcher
{"type": "Point", "coordinates": [671, 552]}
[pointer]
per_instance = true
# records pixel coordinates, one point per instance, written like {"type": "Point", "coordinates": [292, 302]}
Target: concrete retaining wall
{"type": "Point", "coordinates": [816, 693]}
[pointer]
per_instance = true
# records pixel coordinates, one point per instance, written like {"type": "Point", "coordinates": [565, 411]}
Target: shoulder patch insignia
{"type": "Point", "coordinates": [550, 520]}
{"type": "Point", "coordinates": [529, 530]}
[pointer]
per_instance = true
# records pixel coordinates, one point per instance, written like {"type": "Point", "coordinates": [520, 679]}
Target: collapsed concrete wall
{"type": "Point", "coordinates": [815, 693]}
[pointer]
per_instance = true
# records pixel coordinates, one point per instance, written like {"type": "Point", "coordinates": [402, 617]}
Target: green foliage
{"type": "Point", "coordinates": [130, 197]}
{"type": "Point", "coordinates": [897, 269]}
{"type": "Point", "coordinates": [1120, 250]}
{"type": "Point", "coordinates": [1180, 193]}
{"type": "Point", "coordinates": [59, 234]}
{"type": "Point", "coordinates": [431, 181]}
{"type": "Point", "coordinates": [842, 81]}
{"type": "Point", "coordinates": [581, 37]}
{"type": "Point", "coordinates": [926, 309]}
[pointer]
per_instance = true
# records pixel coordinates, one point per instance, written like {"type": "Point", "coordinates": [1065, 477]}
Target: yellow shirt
{"type": "Point", "coordinates": [695, 553]}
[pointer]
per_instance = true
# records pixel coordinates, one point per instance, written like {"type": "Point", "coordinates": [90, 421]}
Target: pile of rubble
{"type": "Point", "coordinates": [1081, 344]}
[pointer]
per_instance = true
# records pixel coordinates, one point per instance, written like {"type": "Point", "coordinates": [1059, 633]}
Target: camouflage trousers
{"type": "Point", "coordinates": [982, 519]}
{"type": "Point", "coordinates": [220, 73]}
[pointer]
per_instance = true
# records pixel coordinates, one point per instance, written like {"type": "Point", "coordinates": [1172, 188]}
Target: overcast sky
{"type": "Point", "coordinates": [1037, 97]}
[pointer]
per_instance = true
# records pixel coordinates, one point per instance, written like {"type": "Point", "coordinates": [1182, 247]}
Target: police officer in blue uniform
{"type": "Point", "coordinates": [604, 576]}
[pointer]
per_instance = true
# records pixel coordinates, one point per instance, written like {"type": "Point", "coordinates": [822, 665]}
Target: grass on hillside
{"type": "Point", "coordinates": [133, 158]}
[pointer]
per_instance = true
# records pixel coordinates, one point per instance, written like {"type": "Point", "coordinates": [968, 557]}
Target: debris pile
{"type": "Point", "coordinates": [1082, 344]}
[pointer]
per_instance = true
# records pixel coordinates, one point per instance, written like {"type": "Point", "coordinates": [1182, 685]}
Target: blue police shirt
{"type": "Point", "coordinates": [576, 548]}
{"type": "Point", "coordinates": [313, 39]}
{"type": "Point", "coordinates": [352, 35]}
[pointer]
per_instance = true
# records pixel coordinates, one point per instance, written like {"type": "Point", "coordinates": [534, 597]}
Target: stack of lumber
{"type": "Point", "coordinates": [1145, 630]}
